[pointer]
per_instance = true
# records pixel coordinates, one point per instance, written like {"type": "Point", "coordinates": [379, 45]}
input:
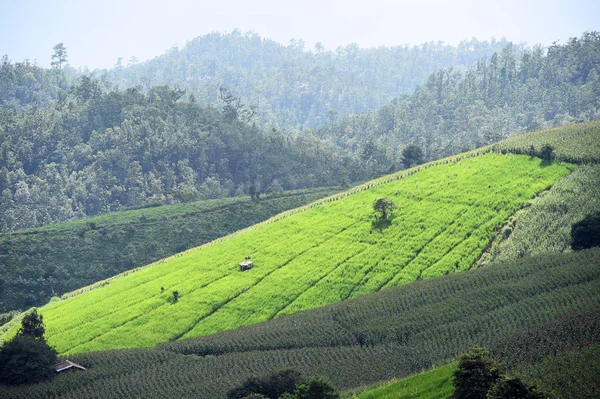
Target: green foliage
{"type": "Point", "coordinates": [412, 155]}
{"type": "Point", "coordinates": [476, 374]}
{"type": "Point", "coordinates": [586, 233]}
{"type": "Point", "coordinates": [512, 388]}
{"type": "Point", "coordinates": [384, 207]}
{"type": "Point", "coordinates": [577, 143]}
{"type": "Point", "coordinates": [40, 263]}
{"type": "Point", "coordinates": [316, 388]}
{"type": "Point", "coordinates": [299, 87]}
{"type": "Point", "coordinates": [408, 329]}
{"type": "Point", "coordinates": [547, 152]}
{"type": "Point", "coordinates": [100, 151]}
{"type": "Point", "coordinates": [32, 325]}
{"type": "Point", "coordinates": [324, 253]}
{"type": "Point", "coordinates": [507, 93]}
{"type": "Point", "coordinates": [572, 373]}
{"type": "Point", "coordinates": [545, 224]}
{"type": "Point", "coordinates": [26, 359]}
{"type": "Point", "coordinates": [272, 386]}
{"type": "Point", "coordinates": [533, 344]}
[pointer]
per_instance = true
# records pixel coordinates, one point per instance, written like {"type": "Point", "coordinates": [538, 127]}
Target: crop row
{"type": "Point", "coordinates": [389, 334]}
{"type": "Point", "coordinates": [39, 263]}
{"type": "Point", "coordinates": [447, 215]}
{"type": "Point", "coordinates": [570, 374]}
{"type": "Point", "coordinates": [578, 143]}
{"type": "Point", "coordinates": [545, 225]}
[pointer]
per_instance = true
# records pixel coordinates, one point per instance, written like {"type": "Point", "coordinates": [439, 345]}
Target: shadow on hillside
{"type": "Point", "coordinates": [381, 224]}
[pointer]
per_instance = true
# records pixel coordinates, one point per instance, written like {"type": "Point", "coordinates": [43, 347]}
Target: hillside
{"type": "Point", "coordinates": [333, 250]}
{"type": "Point", "coordinates": [389, 334]}
{"type": "Point", "coordinates": [39, 263]}
{"type": "Point", "coordinates": [449, 213]}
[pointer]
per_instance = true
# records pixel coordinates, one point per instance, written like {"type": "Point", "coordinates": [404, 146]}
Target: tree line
{"type": "Point", "coordinates": [513, 91]}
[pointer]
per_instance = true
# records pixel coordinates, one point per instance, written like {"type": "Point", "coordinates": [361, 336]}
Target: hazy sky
{"type": "Point", "coordinates": [96, 33]}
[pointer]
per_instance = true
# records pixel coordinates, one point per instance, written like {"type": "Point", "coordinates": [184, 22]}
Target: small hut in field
{"type": "Point", "coordinates": [247, 264]}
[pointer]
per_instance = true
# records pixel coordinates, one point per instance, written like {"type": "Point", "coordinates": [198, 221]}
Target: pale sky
{"type": "Point", "coordinates": [97, 33]}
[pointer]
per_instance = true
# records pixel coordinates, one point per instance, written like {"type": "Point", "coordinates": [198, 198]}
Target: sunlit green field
{"type": "Point", "coordinates": [446, 216]}
{"type": "Point", "coordinates": [431, 384]}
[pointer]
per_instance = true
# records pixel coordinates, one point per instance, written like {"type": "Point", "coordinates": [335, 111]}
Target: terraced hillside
{"type": "Point", "coordinates": [36, 264]}
{"type": "Point", "coordinates": [331, 251]}
{"type": "Point", "coordinates": [389, 334]}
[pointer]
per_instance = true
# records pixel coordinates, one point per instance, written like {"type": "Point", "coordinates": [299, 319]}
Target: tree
{"type": "Point", "coordinates": [60, 56]}
{"type": "Point", "coordinates": [254, 192]}
{"type": "Point", "coordinates": [32, 326]}
{"type": "Point", "coordinates": [175, 296]}
{"type": "Point", "coordinates": [586, 233]}
{"type": "Point", "coordinates": [272, 386]}
{"type": "Point", "coordinates": [476, 374]}
{"type": "Point", "coordinates": [316, 388]}
{"type": "Point", "coordinates": [547, 152]}
{"type": "Point", "coordinates": [26, 359]}
{"type": "Point", "coordinates": [512, 387]}
{"type": "Point", "coordinates": [384, 207]}
{"type": "Point", "coordinates": [412, 155]}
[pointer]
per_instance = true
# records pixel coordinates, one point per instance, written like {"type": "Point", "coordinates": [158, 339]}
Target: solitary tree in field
{"type": "Point", "coordinates": [384, 206]}
{"type": "Point", "coordinates": [32, 325]}
{"type": "Point", "coordinates": [547, 152]}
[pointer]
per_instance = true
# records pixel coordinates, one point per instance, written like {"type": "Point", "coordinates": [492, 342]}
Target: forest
{"type": "Point", "coordinates": [75, 144]}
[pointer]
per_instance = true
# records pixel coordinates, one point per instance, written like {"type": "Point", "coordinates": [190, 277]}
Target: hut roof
{"type": "Point", "coordinates": [67, 364]}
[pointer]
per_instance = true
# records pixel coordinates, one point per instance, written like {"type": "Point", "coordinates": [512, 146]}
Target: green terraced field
{"type": "Point", "coordinates": [577, 143]}
{"type": "Point", "coordinates": [37, 264]}
{"type": "Point", "coordinates": [431, 384]}
{"type": "Point", "coordinates": [326, 253]}
{"type": "Point", "coordinates": [389, 334]}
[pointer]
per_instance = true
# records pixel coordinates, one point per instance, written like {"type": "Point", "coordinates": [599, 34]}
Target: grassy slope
{"type": "Point", "coordinates": [447, 215]}
{"type": "Point", "coordinates": [432, 384]}
{"type": "Point", "coordinates": [36, 264]}
{"type": "Point", "coordinates": [545, 225]}
{"type": "Point", "coordinates": [404, 330]}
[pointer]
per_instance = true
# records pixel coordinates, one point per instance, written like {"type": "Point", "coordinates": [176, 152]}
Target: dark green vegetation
{"type": "Point", "coordinates": [545, 224]}
{"type": "Point", "coordinates": [271, 386]}
{"type": "Point", "coordinates": [586, 232]}
{"type": "Point", "coordinates": [92, 149]}
{"type": "Point", "coordinates": [291, 86]}
{"type": "Point", "coordinates": [393, 333]}
{"type": "Point", "coordinates": [507, 93]}
{"type": "Point", "coordinates": [27, 358]}
{"type": "Point", "coordinates": [97, 151]}
{"type": "Point", "coordinates": [570, 374]}
{"type": "Point", "coordinates": [36, 264]}
{"type": "Point", "coordinates": [475, 375]}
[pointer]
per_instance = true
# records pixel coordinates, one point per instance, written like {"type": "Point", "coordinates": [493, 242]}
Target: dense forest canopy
{"type": "Point", "coordinates": [455, 111]}
{"type": "Point", "coordinates": [95, 151]}
{"type": "Point", "coordinates": [73, 144]}
{"type": "Point", "coordinates": [289, 85]}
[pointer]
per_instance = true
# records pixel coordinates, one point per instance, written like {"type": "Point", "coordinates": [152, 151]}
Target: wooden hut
{"type": "Point", "coordinates": [247, 264]}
